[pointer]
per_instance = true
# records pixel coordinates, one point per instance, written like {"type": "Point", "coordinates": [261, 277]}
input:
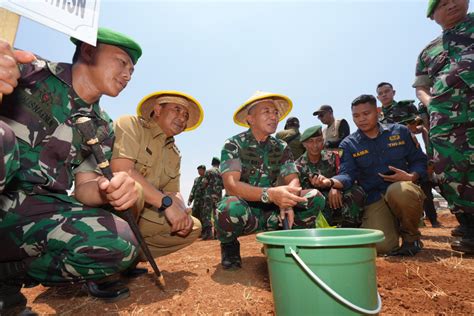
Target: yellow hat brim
{"type": "Point", "coordinates": [196, 113]}
{"type": "Point", "coordinates": [283, 103]}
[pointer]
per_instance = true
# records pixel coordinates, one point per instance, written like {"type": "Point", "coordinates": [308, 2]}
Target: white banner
{"type": "Point", "coordinates": [78, 18]}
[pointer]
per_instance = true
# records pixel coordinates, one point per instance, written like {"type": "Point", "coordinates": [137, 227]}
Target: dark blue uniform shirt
{"type": "Point", "coordinates": [363, 158]}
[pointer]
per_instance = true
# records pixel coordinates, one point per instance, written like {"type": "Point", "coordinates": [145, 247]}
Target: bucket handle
{"type": "Point", "coordinates": [333, 293]}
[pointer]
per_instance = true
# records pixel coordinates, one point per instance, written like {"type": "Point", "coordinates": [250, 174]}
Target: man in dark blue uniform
{"type": "Point", "coordinates": [387, 163]}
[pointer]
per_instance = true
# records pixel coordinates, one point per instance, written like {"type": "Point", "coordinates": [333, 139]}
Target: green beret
{"type": "Point", "coordinates": [432, 4]}
{"type": "Point", "coordinates": [201, 167]}
{"type": "Point", "coordinates": [311, 132]}
{"type": "Point", "coordinates": [110, 37]}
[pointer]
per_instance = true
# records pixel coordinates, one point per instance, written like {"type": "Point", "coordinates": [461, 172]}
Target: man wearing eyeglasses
{"type": "Point", "coordinates": [335, 131]}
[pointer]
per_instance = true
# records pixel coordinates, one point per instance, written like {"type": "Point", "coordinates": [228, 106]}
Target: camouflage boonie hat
{"type": "Point", "coordinates": [196, 114]}
{"type": "Point", "coordinates": [432, 4]}
{"type": "Point", "coordinates": [311, 132]}
{"type": "Point", "coordinates": [111, 37]}
{"type": "Point", "coordinates": [282, 103]}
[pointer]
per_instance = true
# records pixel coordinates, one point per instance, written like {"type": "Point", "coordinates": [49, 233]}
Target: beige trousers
{"type": "Point", "coordinates": [156, 231]}
{"type": "Point", "coordinates": [397, 214]}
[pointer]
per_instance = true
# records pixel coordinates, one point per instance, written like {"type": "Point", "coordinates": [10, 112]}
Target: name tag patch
{"type": "Point", "coordinates": [395, 144]}
{"type": "Point", "coordinates": [360, 153]}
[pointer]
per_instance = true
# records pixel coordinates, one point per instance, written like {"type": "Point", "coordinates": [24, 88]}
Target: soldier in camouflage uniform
{"type": "Point", "coordinates": [213, 186]}
{"type": "Point", "coordinates": [47, 235]}
{"type": "Point", "coordinates": [251, 162]}
{"type": "Point", "coordinates": [316, 167]}
{"type": "Point", "coordinates": [406, 113]}
{"type": "Point", "coordinates": [197, 193]}
{"type": "Point", "coordinates": [445, 84]}
{"type": "Point", "coordinates": [291, 135]}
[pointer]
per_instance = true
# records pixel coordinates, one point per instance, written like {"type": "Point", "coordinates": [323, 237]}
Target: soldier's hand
{"type": "Point", "coordinates": [288, 213]}
{"type": "Point", "coordinates": [399, 175]}
{"type": "Point", "coordinates": [120, 191]}
{"type": "Point", "coordinates": [9, 72]}
{"type": "Point", "coordinates": [285, 196]}
{"type": "Point", "coordinates": [320, 181]}
{"type": "Point", "coordinates": [335, 198]}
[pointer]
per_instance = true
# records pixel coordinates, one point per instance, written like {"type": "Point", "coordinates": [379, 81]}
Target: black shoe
{"type": "Point", "coordinates": [109, 292]}
{"type": "Point", "coordinates": [407, 249]}
{"type": "Point", "coordinates": [459, 231]}
{"type": "Point", "coordinates": [465, 245]}
{"type": "Point", "coordinates": [134, 272]}
{"type": "Point", "coordinates": [207, 233]}
{"type": "Point", "coordinates": [230, 255]}
{"type": "Point", "coordinates": [11, 297]}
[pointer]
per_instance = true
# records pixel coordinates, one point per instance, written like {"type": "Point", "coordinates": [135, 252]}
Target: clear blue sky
{"type": "Point", "coordinates": [316, 52]}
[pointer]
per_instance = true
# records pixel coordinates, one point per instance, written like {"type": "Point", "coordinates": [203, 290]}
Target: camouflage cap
{"type": "Point", "coordinates": [403, 113]}
{"type": "Point", "coordinates": [201, 167]}
{"type": "Point", "coordinates": [282, 103]}
{"type": "Point", "coordinates": [311, 132]}
{"type": "Point", "coordinates": [110, 37]}
{"type": "Point", "coordinates": [432, 4]}
{"type": "Point", "coordinates": [196, 114]}
{"type": "Point", "coordinates": [215, 160]}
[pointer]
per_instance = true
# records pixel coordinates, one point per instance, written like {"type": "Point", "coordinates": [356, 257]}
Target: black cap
{"type": "Point", "coordinates": [323, 108]}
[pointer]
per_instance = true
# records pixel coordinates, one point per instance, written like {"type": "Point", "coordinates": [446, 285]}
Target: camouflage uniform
{"type": "Point", "coordinates": [292, 138]}
{"type": "Point", "coordinates": [59, 238]}
{"type": "Point", "coordinates": [260, 164]}
{"type": "Point", "coordinates": [350, 214]}
{"type": "Point", "coordinates": [446, 65]}
{"type": "Point", "coordinates": [397, 111]}
{"type": "Point", "coordinates": [212, 186]}
{"type": "Point", "coordinates": [197, 195]}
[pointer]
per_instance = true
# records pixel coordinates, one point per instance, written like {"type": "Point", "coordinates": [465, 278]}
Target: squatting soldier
{"type": "Point", "coordinates": [445, 84]}
{"type": "Point", "coordinates": [197, 193]}
{"type": "Point", "coordinates": [291, 135]}
{"type": "Point", "coordinates": [213, 186]}
{"type": "Point", "coordinates": [145, 148]}
{"type": "Point", "coordinates": [406, 113]}
{"type": "Point", "coordinates": [251, 162]}
{"type": "Point", "coordinates": [316, 167]}
{"type": "Point", "coordinates": [48, 236]}
{"type": "Point", "coordinates": [386, 162]}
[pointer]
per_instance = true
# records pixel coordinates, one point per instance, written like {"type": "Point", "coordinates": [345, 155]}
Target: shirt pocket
{"type": "Point", "coordinates": [364, 161]}
{"type": "Point", "coordinates": [143, 163]}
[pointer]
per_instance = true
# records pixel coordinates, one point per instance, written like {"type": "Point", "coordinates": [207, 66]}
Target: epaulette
{"type": "Point", "coordinates": [176, 150]}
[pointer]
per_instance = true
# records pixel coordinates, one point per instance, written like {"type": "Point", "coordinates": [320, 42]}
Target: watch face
{"type": "Point", "coordinates": [166, 201]}
{"type": "Point", "coordinates": [264, 196]}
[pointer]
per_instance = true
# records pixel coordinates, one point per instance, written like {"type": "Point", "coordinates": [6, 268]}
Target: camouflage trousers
{"type": "Point", "coordinates": [452, 147]}
{"type": "Point", "coordinates": [61, 240]}
{"type": "Point", "coordinates": [9, 153]}
{"type": "Point", "coordinates": [236, 217]}
{"type": "Point", "coordinates": [197, 207]}
{"type": "Point", "coordinates": [350, 214]}
{"type": "Point", "coordinates": [208, 210]}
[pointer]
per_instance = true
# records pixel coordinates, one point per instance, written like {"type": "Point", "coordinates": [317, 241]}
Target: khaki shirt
{"type": "Point", "coordinates": [156, 157]}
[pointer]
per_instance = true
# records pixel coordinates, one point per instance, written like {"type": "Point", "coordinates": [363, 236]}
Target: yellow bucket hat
{"type": "Point", "coordinates": [196, 114]}
{"type": "Point", "coordinates": [282, 103]}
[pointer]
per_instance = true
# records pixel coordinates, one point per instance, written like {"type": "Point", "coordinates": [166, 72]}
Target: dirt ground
{"type": "Point", "coordinates": [438, 281]}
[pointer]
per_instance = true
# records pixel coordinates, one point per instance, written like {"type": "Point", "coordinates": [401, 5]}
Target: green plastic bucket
{"type": "Point", "coordinates": [323, 271]}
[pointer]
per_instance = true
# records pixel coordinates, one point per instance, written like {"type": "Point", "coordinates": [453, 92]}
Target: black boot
{"type": "Point", "coordinates": [230, 255]}
{"type": "Point", "coordinates": [463, 224]}
{"type": "Point", "coordinates": [12, 277]}
{"type": "Point", "coordinates": [466, 244]}
{"type": "Point", "coordinates": [407, 249]}
{"type": "Point", "coordinates": [207, 233]}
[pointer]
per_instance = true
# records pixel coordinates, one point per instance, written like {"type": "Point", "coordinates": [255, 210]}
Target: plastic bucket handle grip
{"type": "Point", "coordinates": [333, 293]}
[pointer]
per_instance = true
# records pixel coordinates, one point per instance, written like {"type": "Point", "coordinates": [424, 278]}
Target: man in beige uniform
{"type": "Point", "coordinates": [335, 131]}
{"type": "Point", "coordinates": [144, 146]}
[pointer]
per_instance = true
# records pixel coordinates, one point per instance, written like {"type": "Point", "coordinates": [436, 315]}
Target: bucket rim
{"type": "Point", "coordinates": [321, 237]}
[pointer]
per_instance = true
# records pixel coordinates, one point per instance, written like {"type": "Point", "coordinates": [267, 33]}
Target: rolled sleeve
{"type": "Point", "coordinates": [347, 169]}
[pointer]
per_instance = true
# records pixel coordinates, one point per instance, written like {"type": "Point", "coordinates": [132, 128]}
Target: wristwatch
{"type": "Point", "coordinates": [166, 202]}
{"type": "Point", "coordinates": [264, 196]}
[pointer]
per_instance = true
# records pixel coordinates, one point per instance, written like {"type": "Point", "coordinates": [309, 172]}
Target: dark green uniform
{"type": "Point", "coordinates": [260, 164]}
{"type": "Point", "coordinates": [197, 195]}
{"type": "Point", "coordinates": [350, 214]}
{"type": "Point", "coordinates": [60, 239]}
